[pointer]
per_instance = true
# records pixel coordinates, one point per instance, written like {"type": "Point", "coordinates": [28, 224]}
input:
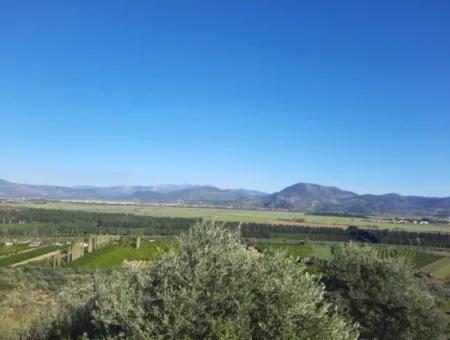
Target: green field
{"type": "Point", "coordinates": [422, 259]}
{"type": "Point", "coordinates": [440, 268]}
{"type": "Point", "coordinates": [237, 215]}
{"type": "Point", "coordinates": [418, 258]}
{"type": "Point", "coordinates": [10, 260]}
{"type": "Point", "coordinates": [113, 257]}
{"type": "Point", "coordinates": [4, 251]}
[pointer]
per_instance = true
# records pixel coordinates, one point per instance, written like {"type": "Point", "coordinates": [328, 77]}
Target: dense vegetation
{"type": "Point", "coordinates": [48, 222]}
{"type": "Point", "coordinates": [239, 215]}
{"type": "Point", "coordinates": [382, 294]}
{"type": "Point", "coordinates": [253, 230]}
{"type": "Point", "coordinates": [43, 303]}
{"type": "Point", "coordinates": [43, 222]}
{"type": "Point", "coordinates": [214, 289]}
{"type": "Point", "coordinates": [213, 286]}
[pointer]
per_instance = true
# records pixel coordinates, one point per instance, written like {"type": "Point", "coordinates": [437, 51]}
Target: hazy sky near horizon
{"type": "Point", "coordinates": [254, 94]}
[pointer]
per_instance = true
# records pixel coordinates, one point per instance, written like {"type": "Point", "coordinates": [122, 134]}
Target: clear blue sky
{"type": "Point", "coordinates": [255, 94]}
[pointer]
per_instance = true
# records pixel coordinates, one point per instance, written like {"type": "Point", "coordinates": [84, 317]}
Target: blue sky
{"type": "Point", "coordinates": [255, 94]}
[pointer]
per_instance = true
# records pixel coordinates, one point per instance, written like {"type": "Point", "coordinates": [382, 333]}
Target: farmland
{"type": "Point", "coordinates": [76, 278]}
{"type": "Point", "coordinates": [23, 256]}
{"type": "Point", "coordinates": [310, 239]}
{"type": "Point", "coordinates": [23, 222]}
{"type": "Point", "coordinates": [6, 251]}
{"type": "Point", "coordinates": [113, 257]}
{"type": "Point", "coordinates": [236, 215]}
{"type": "Point", "coordinates": [421, 260]}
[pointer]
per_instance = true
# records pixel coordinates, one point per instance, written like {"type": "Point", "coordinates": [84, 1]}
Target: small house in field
{"type": "Point", "coordinates": [424, 222]}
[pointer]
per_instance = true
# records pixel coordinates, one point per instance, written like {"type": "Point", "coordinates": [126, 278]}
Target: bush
{"type": "Point", "coordinates": [44, 303]}
{"type": "Point", "coordinates": [382, 294]}
{"type": "Point", "coordinates": [214, 288]}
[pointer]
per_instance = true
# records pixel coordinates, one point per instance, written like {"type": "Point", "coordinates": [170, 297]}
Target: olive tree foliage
{"type": "Point", "coordinates": [382, 295]}
{"type": "Point", "coordinates": [215, 289]}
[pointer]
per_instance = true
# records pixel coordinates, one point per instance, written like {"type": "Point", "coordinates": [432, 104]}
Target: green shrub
{"type": "Point", "coordinates": [44, 303]}
{"type": "Point", "coordinates": [214, 289]}
{"type": "Point", "coordinates": [382, 294]}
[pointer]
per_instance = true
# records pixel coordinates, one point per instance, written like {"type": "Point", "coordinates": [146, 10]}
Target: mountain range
{"type": "Point", "coordinates": [166, 193]}
{"type": "Point", "coordinates": [325, 199]}
{"type": "Point", "coordinates": [298, 197]}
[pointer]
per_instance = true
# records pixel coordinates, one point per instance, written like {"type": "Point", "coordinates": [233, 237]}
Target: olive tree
{"type": "Point", "coordinates": [213, 288]}
{"type": "Point", "coordinates": [382, 295]}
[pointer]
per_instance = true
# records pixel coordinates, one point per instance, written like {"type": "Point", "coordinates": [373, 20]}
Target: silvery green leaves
{"type": "Point", "coordinates": [216, 289]}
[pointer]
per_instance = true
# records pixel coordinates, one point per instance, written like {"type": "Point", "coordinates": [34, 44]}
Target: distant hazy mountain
{"type": "Point", "coordinates": [324, 199]}
{"type": "Point", "coordinates": [165, 193]}
{"type": "Point", "coordinates": [298, 197]}
{"type": "Point", "coordinates": [199, 194]}
{"type": "Point", "coordinates": [121, 190]}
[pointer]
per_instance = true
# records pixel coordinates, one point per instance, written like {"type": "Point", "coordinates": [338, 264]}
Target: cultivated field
{"type": "Point", "coordinates": [114, 256]}
{"type": "Point", "coordinates": [237, 215]}
{"type": "Point", "coordinates": [422, 260]}
{"type": "Point", "coordinates": [6, 251]}
{"type": "Point", "coordinates": [27, 255]}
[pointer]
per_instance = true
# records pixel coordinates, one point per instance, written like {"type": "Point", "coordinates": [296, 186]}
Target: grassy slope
{"type": "Point", "coordinates": [439, 268]}
{"type": "Point", "coordinates": [113, 257]}
{"type": "Point", "coordinates": [276, 217]}
{"type": "Point", "coordinates": [7, 261]}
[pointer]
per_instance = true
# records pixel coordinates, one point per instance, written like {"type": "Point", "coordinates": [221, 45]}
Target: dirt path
{"type": "Point", "coordinates": [37, 258]}
{"type": "Point", "coordinates": [19, 252]}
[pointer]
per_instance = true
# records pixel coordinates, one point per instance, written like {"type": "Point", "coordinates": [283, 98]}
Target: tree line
{"type": "Point", "coordinates": [352, 233]}
{"type": "Point", "coordinates": [55, 223]}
